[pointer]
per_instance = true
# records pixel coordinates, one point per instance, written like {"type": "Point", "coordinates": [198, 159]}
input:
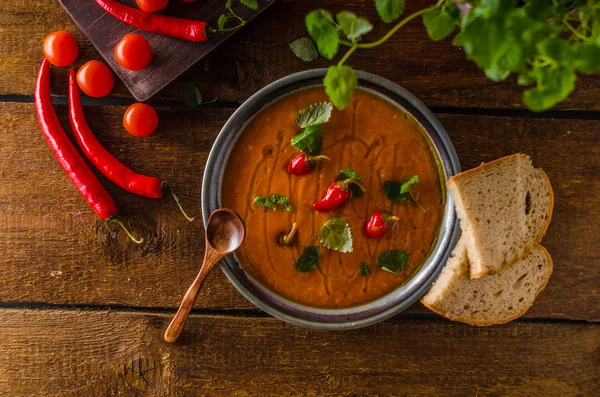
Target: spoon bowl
{"type": "Point", "coordinates": [224, 233]}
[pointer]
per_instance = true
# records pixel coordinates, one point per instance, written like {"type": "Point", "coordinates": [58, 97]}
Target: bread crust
{"type": "Point", "coordinates": [504, 320]}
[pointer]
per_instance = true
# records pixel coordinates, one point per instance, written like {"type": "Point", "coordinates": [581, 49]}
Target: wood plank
{"type": "Point", "coordinates": [50, 353]}
{"type": "Point", "coordinates": [55, 250]}
{"type": "Point", "coordinates": [436, 72]}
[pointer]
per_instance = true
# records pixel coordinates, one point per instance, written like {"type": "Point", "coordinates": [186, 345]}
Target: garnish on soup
{"type": "Point", "coordinates": [364, 269]}
{"type": "Point", "coordinates": [287, 239]}
{"type": "Point", "coordinates": [309, 141]}
{"type": "Point", "coordinates": [272, 201]}
{"type": "Point", "coordinates": [315, 114]}
{"type": "Point", "coordinates": [335, 234]}
{"type": "Point", "coordinates": [357, 189]}
{"type": "Point", "coordinates": [399, 192]}
{"type": "Point", "coordinates": [379, 224]}
{"type": "Point", "coordinates": [393, 261]}
{"type": "Point", "coordinates": [309, 259]}
{"type": "Point", "coordinates": [303, 164]}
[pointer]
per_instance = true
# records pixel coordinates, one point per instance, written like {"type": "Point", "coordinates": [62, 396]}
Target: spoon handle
{"type": "Point", "coordinates": [174, 330]}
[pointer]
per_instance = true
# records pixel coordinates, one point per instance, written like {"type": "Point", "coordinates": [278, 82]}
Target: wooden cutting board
{"type": "Point", "coordinates": [171, 57]}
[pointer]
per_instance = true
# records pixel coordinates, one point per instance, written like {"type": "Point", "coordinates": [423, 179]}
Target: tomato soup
{"type": "Point", "coordinates": [371, 136]}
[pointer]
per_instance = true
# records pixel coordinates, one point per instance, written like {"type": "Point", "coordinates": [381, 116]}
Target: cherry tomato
{"type": "Point", "coordinates": [60, 48]}
{"type": "Point", "coordinates": [140, 119]}
{"type": "Point", "coordinates": [133, 52]}
{"type": "Point", "coordinates": [95, 79]}
{"type": "Point", "coordinates": [152, 5]}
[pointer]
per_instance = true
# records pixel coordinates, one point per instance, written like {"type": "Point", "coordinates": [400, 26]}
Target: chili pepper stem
{"type": "Point", "coordinates": [118, 221]}
{"type": "Point", "coordinates": [345, 183]}
{"type": "Point", "coordinates": [166, 188]}
{"type": "Point", "coordinates": [320, 158]}
{"type": "Point", "coordinates": [416, 202]}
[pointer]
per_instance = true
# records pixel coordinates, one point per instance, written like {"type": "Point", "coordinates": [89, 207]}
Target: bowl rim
{"type": "Point", "coordinates": [349, 317]}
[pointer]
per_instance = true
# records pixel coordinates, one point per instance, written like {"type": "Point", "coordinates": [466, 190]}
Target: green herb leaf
{"type": "Point", "coordinates": [393, 261]}
{"type": "Point", "coordinates": [272, 200]}
{"type": "Point", "coordinates": [556, 84]}
{"type": "Point", "coordinates": [335, 234]}
{"type": "Point", "coordinates": [309, 141]}
{"type": "Point", "coordinates": [222, 21]}
{"type": "Point", "coordinates": [228, 4]}
{"type": "Point", "coordinates": [304, 48]}
{"type": "Point", "coordinates": [351, 174]}
{"type": "Point", "coordinates": [389, 10]}
{"type": "Point", "coordinates": [352, 26]}
{"type": "Point", "coordinates": [308, 261]}
{"type": "Point", "coordinates": [191, 94]}
{"type": "Point", "coordinates": [317, 113]}
{"type": "Point", "coordinates": [364, 269]}
{"type": "Point", "coordinates": [321, 29]}
{"type": "Point", "coordinates": [440, 23]}
{"type": "Point", "coordinates": [252, 4]}
{"type": "Point", "coordinates": [340, 83]}
{"type": "Point", "coordinates": [399, 192]}
{"type": "Point", "coordinates": [587, 57]}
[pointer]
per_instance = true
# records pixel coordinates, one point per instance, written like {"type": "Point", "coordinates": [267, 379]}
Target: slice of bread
{"type": "Point", "coordinates": [489, 300]}
{"type": "Point", "coordinates": [504, 208]}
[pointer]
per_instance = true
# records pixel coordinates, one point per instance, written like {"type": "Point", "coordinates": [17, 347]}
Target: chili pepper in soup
{"type": "Point", "coordinates": [371, 139]}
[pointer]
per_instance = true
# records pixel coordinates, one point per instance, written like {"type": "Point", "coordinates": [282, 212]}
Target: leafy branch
{"type": "Point", "coordinates": [544, 42]}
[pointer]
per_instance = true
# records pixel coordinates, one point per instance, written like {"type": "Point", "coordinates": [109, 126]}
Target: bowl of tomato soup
{"type": "Point", "coordinates": [340, 264]}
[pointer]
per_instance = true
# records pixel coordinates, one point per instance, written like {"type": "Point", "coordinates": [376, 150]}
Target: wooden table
{"type": "Point", "coordinates": [82, 310]}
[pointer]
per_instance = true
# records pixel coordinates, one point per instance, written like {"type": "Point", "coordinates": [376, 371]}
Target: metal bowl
{"type": "Point", "coordinates": [364, 314]}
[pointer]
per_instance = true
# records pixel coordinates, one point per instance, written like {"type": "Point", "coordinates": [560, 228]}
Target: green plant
{"type": "Point", "coordinates": [545, 42]}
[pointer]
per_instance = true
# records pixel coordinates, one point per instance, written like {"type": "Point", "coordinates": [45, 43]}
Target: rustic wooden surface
{"type": "Point", "coordinates": [170, 57]}
{"type": "Point", "coordinates": [108, 353]}
{"type": "Point", "coordinates": [82, 310]}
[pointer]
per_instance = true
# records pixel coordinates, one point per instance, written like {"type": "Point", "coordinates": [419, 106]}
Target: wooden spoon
{"type": "Point", "coordinates": [225, 233]}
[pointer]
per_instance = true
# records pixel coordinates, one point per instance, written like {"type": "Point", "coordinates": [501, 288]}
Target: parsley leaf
{"type": "Point", "coordinates": [587, 56]}
{"type": "Point", "coordinates": [222, 21]}
{"type": "Point", "coordinates": [304, 48]}
{"type": "Point", "coordinates": [272, 200]}
{"type": "Point", "coordinates": [340, 82]}
{"type": "Point", "coordinates": [335, 234]}
{"type": "Point", "coordinates": [440, 23]}
{"type": "Point", "coordinates": [356, 190]}
{"type": "Point", "coordinates": [557, 84]}
{"type": "Point", "coordinates": [191, 94]}
{"type": "Point", "coordinates": [389, 10]}
{"type": "Point", "coordinates": [352, 26]}
{"type": "Point", "coordinates": [364, 269]}
{"type": "Point", "coordinates": [309, 141]}
{"type": "Point", "coordinates": [393, 261]}
{"type": "Point", "coordinates": [252, 4]}
{"type": "Point", "coordinates": [321, 29]}
{"type": "Point", "coordinates": [308, 261]}
{"type": "Point", "coordinates": [399, 192]}
{"type": "Point", "coordinates": [317, 113]}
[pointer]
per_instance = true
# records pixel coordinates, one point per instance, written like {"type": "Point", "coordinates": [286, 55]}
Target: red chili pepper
{"type": "Point", "coordinates": [105, 162]}
{"type": "Point", "coordinates": [336, 195]}
{"type": "Point", "coordinates": [378, 224]}
{"type": "Point", "coordinates": [68, 157]}
{"type": "Point", "coordinates": [303, 164]}
{"type": "Point", "coordinates": [180, 28]}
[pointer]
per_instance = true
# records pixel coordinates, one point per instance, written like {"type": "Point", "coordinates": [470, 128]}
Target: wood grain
{"type": "Point", "coordinates": [108, 353]}
{"type": "Point", "coordinates": [170, 57]}
{"type": "Point", "coordinates": [55, 250]}
{"type": "Point", "coordinates": [436, 72]}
